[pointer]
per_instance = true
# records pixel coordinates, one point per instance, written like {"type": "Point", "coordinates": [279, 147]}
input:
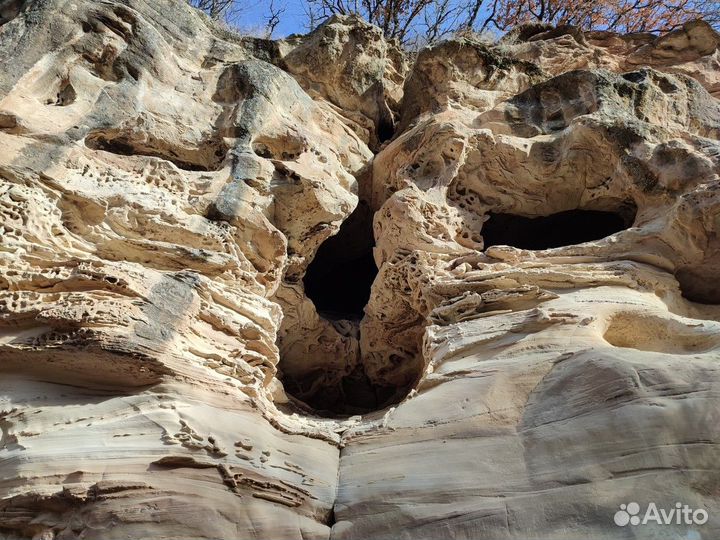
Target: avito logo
{"type": "Point", "coordinates": [682, 514]}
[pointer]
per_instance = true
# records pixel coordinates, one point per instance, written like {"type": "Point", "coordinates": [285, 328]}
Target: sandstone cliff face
{"type": "Point", "coordinates": [305, 289]}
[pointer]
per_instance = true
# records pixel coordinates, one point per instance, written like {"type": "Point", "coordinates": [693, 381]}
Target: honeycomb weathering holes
{"type": "Point", "coordinates": [556, 230]}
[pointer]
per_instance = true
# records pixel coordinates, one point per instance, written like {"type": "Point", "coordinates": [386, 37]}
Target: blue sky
{"type": "Point", "coordinates": [254, 13]}
{"type": "Point", "coordinates": [252, 18]}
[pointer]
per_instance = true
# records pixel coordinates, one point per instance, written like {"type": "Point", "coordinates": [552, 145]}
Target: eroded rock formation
{"type": "Point", "coordinates": [305, 289]}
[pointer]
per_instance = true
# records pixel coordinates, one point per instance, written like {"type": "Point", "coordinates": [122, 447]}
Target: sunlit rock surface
{"type": "Point", "coordinates": [312, 289]}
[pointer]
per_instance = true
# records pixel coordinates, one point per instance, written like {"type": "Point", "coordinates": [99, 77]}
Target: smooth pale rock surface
{"type": "Point", "coordinates": [542, 339]}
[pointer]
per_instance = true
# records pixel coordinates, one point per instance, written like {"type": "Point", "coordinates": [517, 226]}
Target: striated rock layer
{"type": "Point", "coordinates": [305, 289]}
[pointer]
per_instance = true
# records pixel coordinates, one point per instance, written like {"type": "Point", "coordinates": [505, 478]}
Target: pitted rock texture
{"type": "Point", "coordinates": [348, 64]}
{"type": "Point", "coordinates": [192, 223]}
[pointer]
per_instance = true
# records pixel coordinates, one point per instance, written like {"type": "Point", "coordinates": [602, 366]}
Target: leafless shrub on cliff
{"type": "Point", "coordinates": [616, 15]}
{"type": "Point", "coordinates": [416, 23]}
{"type": "Point", "coordinates": [232, 13]}
{"type": "Point", "coordinates": [217, 9]}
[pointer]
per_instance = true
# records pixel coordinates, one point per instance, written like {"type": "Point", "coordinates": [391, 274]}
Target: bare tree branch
{"type": "Point", "coordinates": [273, 18]}
{"type": "Point", "coordinates": [421, 22]}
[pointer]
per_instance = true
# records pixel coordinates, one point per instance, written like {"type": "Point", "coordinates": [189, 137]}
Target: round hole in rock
{"type": "Point", "coordinates": [63, 95]}
{"type": "Point", "coordinates": [700, 284]}
{"type": "Point", "coordinates": [339, 278]}
{"type": "Point", "coordinates": [556, 230]}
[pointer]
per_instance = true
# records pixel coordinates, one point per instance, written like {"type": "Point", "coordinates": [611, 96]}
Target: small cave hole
{"type": "Point", "coordinates": [65, 95]}
{"type": "Point", "coordinates": [208, 157]}
{"type": "Point", "coordinates": [286, 148]}
{"type": "Point", "coordinates": [556, 230]}
{"type": "Point", "coordinates": [339, 278]}
{"type": "Point", "coordinates": [699, 284]}
{"type": "Point", "coordinates": [385, 129]}
{"type": "Point", "coordinates": [9, 9]}
{"type": "Point", "coordinates": [339, 281]}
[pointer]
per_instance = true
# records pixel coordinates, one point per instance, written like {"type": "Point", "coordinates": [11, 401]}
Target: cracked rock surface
{"type": "Point", "coordinates": [312, 289]}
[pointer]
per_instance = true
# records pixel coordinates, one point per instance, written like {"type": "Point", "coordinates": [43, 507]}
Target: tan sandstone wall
{"type": "Point", "coordinates": [165, 187]}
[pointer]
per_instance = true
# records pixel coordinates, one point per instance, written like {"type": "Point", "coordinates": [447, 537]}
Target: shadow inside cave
{"type": "Point", "coordinates": [339, 279]}
{"type": "Point", "coordinates": [555, 230]}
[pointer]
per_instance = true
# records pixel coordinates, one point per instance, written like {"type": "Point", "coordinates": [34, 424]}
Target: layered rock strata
{"type": "Point", "coordinates": [311, 289]}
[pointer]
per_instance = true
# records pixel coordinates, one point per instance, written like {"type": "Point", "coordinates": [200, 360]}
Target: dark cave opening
{"type": "Point", "coordinates": [338, 281]}
{"type": "Point", "coordinates": [11, 9]}
{"type": "Point", "coordinates": [339, 278]}
{"type": "Point", "coordinates": [699, 284]}
{"type": "Point", "coordinates": [385, 130]}
{"type": "Point", "coordinates": [556, 230]}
